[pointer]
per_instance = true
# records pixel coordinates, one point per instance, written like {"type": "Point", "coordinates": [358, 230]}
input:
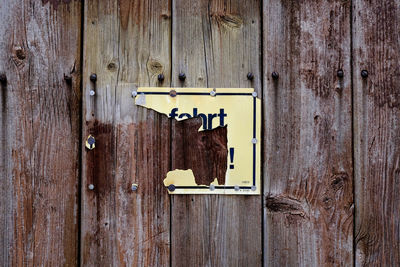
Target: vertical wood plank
{"type": "Point", "coordinates": [308, 134]}
{"type": "Point", "coordinates": [215, 43]}
{"type": "Point", "coordinates": [39, 133]}
{"type": "Point", "coordinates": [376, 48]}
{"type": "Point", "coordinates": [127, 44]}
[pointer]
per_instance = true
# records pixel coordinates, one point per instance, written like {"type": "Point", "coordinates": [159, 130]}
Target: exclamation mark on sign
{"type": "Point", "coordinates": [231, 153]}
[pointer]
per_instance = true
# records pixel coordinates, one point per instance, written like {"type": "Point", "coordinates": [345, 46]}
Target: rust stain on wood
{"type": "Point", "coordinates": [205, 152]}
{"type": "Point", "coordinates": [101, 159]}
{"type": "Point", "coordinates": [205, 156]}
{"type": "Point", "coordinates": [124, 154]}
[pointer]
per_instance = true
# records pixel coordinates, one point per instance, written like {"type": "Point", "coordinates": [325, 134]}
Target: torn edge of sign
{"type": "Point", "coordinates": [184, 179]}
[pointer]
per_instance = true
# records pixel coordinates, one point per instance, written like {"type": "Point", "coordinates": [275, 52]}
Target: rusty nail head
{"type": "Point", "coordinates": [3, 78]}
{"type": "Point", "coordinates": [171, 187]}
{"type": "Point", "coordinates": [182, 76]}
{"type": "Point", "coordinates": [275, 75]}
{"type": "Point", "coordinates": [160, 77]}
{"type": "Point", "coordinates": [68, 79]}
{"type": "Point", "coordinates": [340, 73]}
{"type": "Point", "coordinates": [172, 93]}
{"type": "Point", "coordinates": [91, 187]}
{"type": "Point", "coordinates": [250, 76]}
{"type": "Point", "coordinates": [364, 73]}
{"type": "Point", "coordinates": [93, 77]}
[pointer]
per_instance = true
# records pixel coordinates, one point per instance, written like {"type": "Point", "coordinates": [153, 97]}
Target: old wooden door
{"type": "Point", "coordinates": [327, 73]}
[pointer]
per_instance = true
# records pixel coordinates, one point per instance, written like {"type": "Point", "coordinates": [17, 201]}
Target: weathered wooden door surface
{"type": "Point", "coordinates": [308, 171]}
{"type": "Point", "coordinates": [39, 137]}
{"type": "Point", "coordinates": [376, 113]}
{"type": "Point", "coordinates": [327, 73]}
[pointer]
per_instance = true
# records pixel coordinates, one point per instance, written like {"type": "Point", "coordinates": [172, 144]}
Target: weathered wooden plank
{"type": "Point", "coordinates": [39, 122]}
{"type": "Point", "coordinates": [376, 48]}
{"type": "Point", "coordinates": [126, 43]}
{"type": "Point", "coordinates": [215, 43]}
{"type": "Point", "coordinates": [308, 134]}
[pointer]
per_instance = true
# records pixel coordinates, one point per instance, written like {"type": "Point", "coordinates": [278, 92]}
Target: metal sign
{"type": "Point", "coordinates": [238, 109]}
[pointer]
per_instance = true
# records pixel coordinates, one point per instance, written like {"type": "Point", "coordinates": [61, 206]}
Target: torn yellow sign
{"type": "Point", "coordinates": [237, 108]}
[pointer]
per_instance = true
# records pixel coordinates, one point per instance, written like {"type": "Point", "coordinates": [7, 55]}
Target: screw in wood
{"type": "Point", "coordinates": [253, 188]}
{"type": "Point", "coordinates": [68, 79]}
{"type": "Point", "coordinates": [275, 75]}
{"type": "Point", "coordinates": [237, 188]}
{"type": "Point", "coordinates": [340, 73]}
{"type": "Point", "coordinates": [134, 93]}
{"type": "Point", "coordinates": [134, 187]}
{"type": "Point", "coordinates": [250, 76]}
{"type": "Point", "coordinates": [93, 77]}
{"type": "Point", "coordinates": [212, 187]}
{"type": "Point", "coordinates": [91, 187]}
{"type": "Point", "coordinates": [92, 92]}
{"type": "Point", "coordinates": [171, 187]}
{"type": "Point", "coordinates": [213, 93]}
{"type": "Point", "coordinates": [254, 94]}
{"type": "Point", "coordinates": [254, 140]}
{"type": "Point", "coordinates": [3, 78]}
{"type": "Point", "coordinates": [160, 77]}
{"type": "Point", "coordinates": [364, 73]}
{"type": "Point", "coordinates": [182, 76]}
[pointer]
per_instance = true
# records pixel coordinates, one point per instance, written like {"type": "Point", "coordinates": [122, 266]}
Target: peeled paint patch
{"type": "Point", "coordinates": [182, 178]}
{"type": "Point", "coordinates": [228, 155]}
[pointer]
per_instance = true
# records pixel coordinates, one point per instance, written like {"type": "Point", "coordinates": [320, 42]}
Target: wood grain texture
{"type": "Point", "coordinates": [308, 173]}
{"type": "Point", "coordinates": [215, 43]}
{"type": "Point", "coordinates": [376, 48]}
{"type": "Point", "coordinates": [127, 44]}
{"type": "Point", "coordinates": [39, 133]}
